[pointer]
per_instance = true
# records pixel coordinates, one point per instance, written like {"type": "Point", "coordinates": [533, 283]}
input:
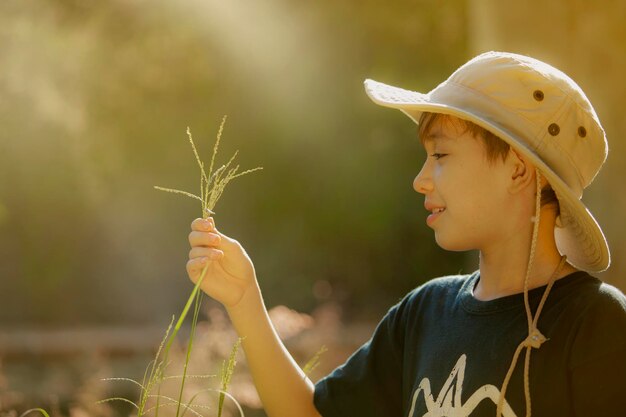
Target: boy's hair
{"type": "Point", "coordinates": [494, 147]}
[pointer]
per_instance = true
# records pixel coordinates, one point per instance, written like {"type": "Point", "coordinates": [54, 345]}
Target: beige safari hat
{"type": "Point", "coordinates": [543, 114]}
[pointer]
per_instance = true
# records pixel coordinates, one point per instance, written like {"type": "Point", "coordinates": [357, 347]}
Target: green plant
{"type": "Point", "coordinates": [314, 361]}
{"type": "Point", "coordinates": [226, 374]}
{"type": "Point", "coordinates": [212, 185]}
{"type": "Point", "coordinates": [41, 410]}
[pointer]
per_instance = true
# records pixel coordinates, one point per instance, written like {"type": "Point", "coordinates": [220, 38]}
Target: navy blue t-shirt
{"type": "Point", "coordinates": [442, 352]}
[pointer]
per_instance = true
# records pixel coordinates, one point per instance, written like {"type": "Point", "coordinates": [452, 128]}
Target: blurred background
{"type": "Point", "coordinates": [95, 99]}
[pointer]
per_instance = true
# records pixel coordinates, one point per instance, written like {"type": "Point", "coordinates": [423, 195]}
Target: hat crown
{"type": "Point", "coordinates": [538, 104]}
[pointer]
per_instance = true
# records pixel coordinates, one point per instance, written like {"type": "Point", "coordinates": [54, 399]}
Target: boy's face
{"type": "Point", "coordinates": [457, 177]}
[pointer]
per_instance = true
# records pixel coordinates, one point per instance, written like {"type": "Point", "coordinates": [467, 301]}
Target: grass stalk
{"type": "Point", "coordinates": [212, 186]}
{"type": "Point", "coordinates": [227, 373]}
{"type": "Point", "coordinates": [314, 361]}
{"type": "Point", "coordinates": [40, 410]}
{"type": "Point", "coordinates": [122, 399]}
{"type": "Point", "coordinates": [177, 327]}
{"type": "Point", "coordinates": [189, 345]}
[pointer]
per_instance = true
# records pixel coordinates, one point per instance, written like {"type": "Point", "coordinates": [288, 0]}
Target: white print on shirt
{"type": "Point", "coordinates": [448, 403]}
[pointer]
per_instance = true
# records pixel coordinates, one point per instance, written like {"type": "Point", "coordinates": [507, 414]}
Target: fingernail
{"type": "Point", "coordinates": [203, 261]}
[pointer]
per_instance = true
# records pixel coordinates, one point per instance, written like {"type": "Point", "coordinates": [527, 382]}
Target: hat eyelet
{"type": "Point", "coordinates": [582, 132]}
{"type": "Point", "coordinates": [538, 95]}
{"type": "Point", "coordinates": [554, 129]}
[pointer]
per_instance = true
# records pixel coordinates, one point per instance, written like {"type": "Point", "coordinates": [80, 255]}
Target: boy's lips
{"type": "Point", "coordinates": [435, 210]}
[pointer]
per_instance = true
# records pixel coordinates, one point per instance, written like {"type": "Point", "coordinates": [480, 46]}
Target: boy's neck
{"type": "Point", "coordinates": [503, 265]}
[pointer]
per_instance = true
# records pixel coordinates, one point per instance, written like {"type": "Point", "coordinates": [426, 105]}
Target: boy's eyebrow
{"type": "Point", "coordinates": [438, 136]}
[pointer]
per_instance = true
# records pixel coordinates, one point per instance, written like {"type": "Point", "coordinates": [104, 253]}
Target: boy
{"type": "Point", "coordinates": [511, 142]}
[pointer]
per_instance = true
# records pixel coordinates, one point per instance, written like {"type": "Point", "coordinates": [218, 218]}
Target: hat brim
{"type": "Point", "coordinates": [579, 235]}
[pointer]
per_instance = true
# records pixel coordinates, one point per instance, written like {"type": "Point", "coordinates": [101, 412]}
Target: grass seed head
{"type": "Point", "coordinates": [212, 184]}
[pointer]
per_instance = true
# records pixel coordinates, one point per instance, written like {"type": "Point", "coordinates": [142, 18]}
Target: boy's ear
{"type": "Point", "coordinates": [522, 172]}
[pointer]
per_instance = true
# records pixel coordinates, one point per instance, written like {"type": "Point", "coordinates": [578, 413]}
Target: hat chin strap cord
{"type": "Point", "coordinates": [534, 338]}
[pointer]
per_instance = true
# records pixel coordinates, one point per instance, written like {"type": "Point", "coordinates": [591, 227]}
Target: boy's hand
{"type": "Point", "coordinates": [283, 387]}
{"type": "Point", "coordinates": [230, 271]}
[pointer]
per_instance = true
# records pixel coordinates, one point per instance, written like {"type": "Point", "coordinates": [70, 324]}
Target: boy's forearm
{"type": "Point", "coordinates": [283, 387]}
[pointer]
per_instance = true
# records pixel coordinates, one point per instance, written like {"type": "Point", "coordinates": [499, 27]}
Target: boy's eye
{"type": "Point", "coordinates": [438, 155]}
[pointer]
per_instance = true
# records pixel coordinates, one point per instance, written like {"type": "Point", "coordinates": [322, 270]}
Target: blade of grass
{"type": "Point", "coordinates": [221, 393]}
{"type": "Point", "coordinates": [41, 410]}
{"type": "Point", "coordinates": [200, 164]}
{"type": "Point", "coordinates": [126, 400]}
{"type": "Point", "coordinates": [173, 401]}
{"type": "Point", "coordinates": [190, 376]}
{"type": "Point", "coordinates": [179, 323]}
{"type": "Point", "coordinates": [246, 172]}
{"type": "Point", "coordinates": [189, 346]}
{"type": "Point", "coordinates": [217, 144]}
{"type": "Point", "coordinates": [212, 185]}
{"type": "Point", "coordinates": [155, 371]}
{"type": "Point", "coordinates": [172, 190]}
{"type": "Point", "coordinates": [314, 361]}
{"type": "Point", "coordinates": [124, 379]}
{"type": "Point", "coordinates": [227, 372]}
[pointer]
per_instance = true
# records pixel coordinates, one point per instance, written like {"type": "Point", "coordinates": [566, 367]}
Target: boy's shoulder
{"type": "Point", "coordinates": [588, 294]}
{"type": "Point", "coordinates": [599, 311]}
{"type": "Point", "coordinates": [445, 283]}
{"type": "Point", "coordinates": [438, 289]}
{"type": "Point", "coordinates": [612, 295]}
{"type": "Point", "coordinates": [580, 291]}
{"type": "Point", "coordinates": [605, 301]}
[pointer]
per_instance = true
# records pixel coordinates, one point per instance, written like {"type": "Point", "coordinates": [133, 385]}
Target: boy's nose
{"type": "Point", "coordinates": [422, 182]}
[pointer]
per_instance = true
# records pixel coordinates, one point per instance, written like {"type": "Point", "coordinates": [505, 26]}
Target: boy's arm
{"type": "Point", "coordinates": [283, 387]}
{"type": "Point", "coordinates": [230, 279]}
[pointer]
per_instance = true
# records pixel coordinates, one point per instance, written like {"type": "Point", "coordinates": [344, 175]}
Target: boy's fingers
{"type": "Point", "coordinates": [195, 265]}
{"type": "Point", "coordinates": [201, 228]}
{"type": "Point", "coordinates": [203, 225]}
{"type": "Point", "coordinates": [204, 239]}
{"type": "Point", "coordinates": [201, 252]}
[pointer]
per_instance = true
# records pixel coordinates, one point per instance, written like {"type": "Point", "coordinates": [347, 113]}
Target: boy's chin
{"type": "Point", "coordinates": [451, 244]}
